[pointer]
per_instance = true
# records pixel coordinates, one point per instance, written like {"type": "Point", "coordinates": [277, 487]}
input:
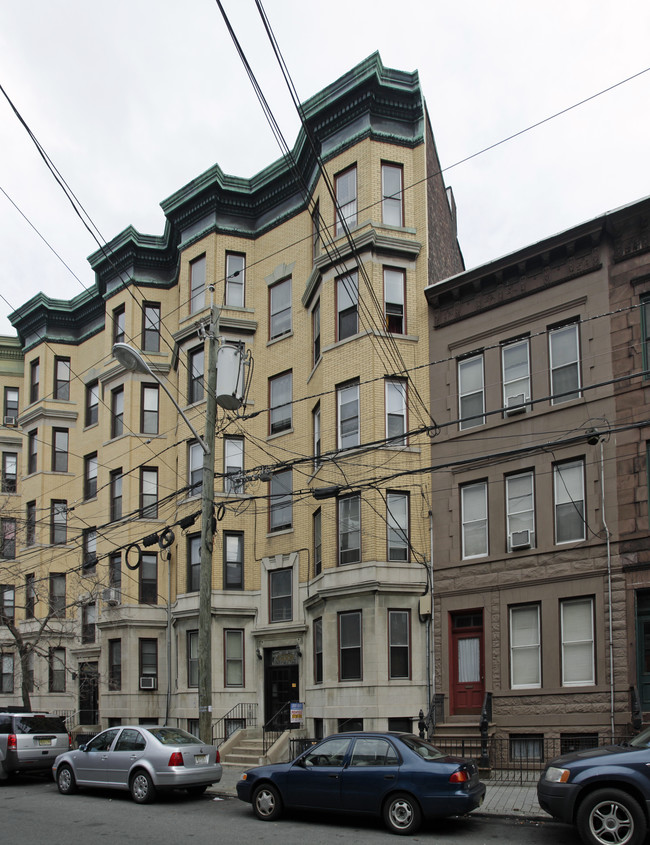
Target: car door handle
{"type": "Point", "coordinates": [333, 776]}
{"type": "Point", "coordinates": [389, 777]}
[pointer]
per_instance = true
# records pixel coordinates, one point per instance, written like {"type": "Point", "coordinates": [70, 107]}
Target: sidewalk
{"type": "Point", "coordinates": [500, 799]}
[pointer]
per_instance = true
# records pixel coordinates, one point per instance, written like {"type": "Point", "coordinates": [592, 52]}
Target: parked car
{"type": "Point", "coordinates": [398, 776]}
{"type": "Point", "coordinates": [143, 760]}
{"type": "Point", "coordinates": [604, 791]}
{"type": "Point", "coordinates": [29, 742]}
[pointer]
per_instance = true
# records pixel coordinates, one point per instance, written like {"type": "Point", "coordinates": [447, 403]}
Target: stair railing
{"type": "Point", "coordinates": [484, 724]}
{"type": "Point", "coordinates": [243, 715]}
{"type": "Point", "coordinates": [276, 726]}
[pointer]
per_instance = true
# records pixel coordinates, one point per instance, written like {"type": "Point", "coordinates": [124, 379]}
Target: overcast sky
{"type": "Point", "coordinates": [132, 99]}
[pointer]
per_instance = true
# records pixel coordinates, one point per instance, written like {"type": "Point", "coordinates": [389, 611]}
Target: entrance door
{"type": "Point", "coordinates": [643, 647]}
{"type": "Point", "coordinates": [281, 684]}
{"type": "Point", "coordinates": [88, 694]}
{"type": "Point", "coordinates": [467, 687]}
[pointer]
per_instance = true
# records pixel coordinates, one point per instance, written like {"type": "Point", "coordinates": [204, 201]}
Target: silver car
{"type": "Point", "coordinates": [142, 759]}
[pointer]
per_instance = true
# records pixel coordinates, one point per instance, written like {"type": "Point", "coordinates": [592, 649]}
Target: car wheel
{"type": "Point", "coordinates": [611, 817]}
{"type": "Point", "coordinates": [196, 791]}
{"type": "Point", "coordinates": [402, 814]}
{"type": "Point", "coordinates": [65, 780]}
{"type": "Point", "coordinates": [267, 803]}
{"type": "Point", "coordinates": [142, 788]}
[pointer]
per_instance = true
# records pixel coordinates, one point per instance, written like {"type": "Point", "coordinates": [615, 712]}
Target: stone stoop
{"type": "Point", "coordinates": [247, 752]}
{"type": "Point", "coordinates": [461, 739]}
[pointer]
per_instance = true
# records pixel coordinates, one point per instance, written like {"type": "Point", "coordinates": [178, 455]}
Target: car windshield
{"type": "Point", "coordinates": [40, 725]}
{"type": "Point", "coordinates": [174, 736]}
{"type": "Point", "coordinates": [642, 740]}
{"type": "Point", "coordinates": [422, 747]}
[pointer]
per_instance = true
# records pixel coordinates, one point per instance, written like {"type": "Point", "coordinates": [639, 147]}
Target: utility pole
{"type": "Point", "coordinates": [207, 535]}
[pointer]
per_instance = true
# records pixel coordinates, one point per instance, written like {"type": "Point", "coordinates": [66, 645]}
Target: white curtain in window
{"type": "Point", "coordinates": [577, 643]}
{"type": "Point", "coordinates": [469, 661]}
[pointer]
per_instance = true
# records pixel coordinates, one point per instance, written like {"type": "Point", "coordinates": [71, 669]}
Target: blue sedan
{"type": "Point", "coordinates": [397, 776]}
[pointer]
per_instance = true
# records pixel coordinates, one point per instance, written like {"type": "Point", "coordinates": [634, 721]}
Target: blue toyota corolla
{"type": "Point", "coordinates": [398, 776]}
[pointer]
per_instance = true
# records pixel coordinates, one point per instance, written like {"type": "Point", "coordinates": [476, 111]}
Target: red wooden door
{"type": "Point", "coordinates": [467, 687]}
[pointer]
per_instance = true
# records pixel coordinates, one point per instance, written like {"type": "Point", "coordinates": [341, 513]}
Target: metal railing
{"type": "Point", "coordinates": [243, 715]}
{"type": "Point", "coordinates": [276, 726]}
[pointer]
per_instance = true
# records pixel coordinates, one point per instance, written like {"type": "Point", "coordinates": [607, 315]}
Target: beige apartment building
{"type": "Point", "coordinates": [318, 268]}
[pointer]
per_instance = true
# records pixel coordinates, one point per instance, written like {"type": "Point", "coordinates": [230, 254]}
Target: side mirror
{"type": "Point", "coordinates": [83, 747]}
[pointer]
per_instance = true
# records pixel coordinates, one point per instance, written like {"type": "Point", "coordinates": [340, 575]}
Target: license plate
{"type": "Point", "coordinates": [200, 759]}
{"type": "Point", "coordinates": [45, 742]}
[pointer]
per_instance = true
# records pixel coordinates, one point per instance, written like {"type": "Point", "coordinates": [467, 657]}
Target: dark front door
{"type": "Point", "coordinates": [643, 647]}
{"type": "Point", "coordinates": [281, 685]}
{"type": "Point", "coordinates": [466, 670]}
{"type": "Point", "coordinates": [88, 694]}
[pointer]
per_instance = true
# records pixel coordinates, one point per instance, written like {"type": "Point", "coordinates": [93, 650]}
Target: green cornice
{"type": "Point", "coordinates": [58, 320]}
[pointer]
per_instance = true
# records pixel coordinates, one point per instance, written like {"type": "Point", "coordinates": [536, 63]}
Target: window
{"type": "Point", "coordinates": [394, 294]}
{"type": "Point", "coordinates": [578, 643]}
{"type": "Point", "coordinates": [349, 529]}
{"type": "Point", "coordinates": [565, 363]}
{"type": "Point", "coordinates": [56, 670]}
{"type": "Point", "coordinates": [345, 185]}
{"type": "Point", "coordinates": [6, 672]}
{"type": "Point", "coordinates": [148, 585]}
{"type": "Point", "coordinates": [318, 541]}
{"type": "Point", "coordinates": [9, 472]}
{"type": "Point", "coordinates": [315, 231]}
{"type": "Point", "coordinates": [233, 641]}
{"type": "Point", "coordinates": [59, 450]}
{"type": "Point", "coordinates": [8, 538]}
{"type": "Point", "coordinates": [397, 520]}
{"type": "Point", "coordinates": [235, 279]}
{"type": "Point", "coordinates": [149, 493]}
{"type": "Point", "coordinates": [116, 484]}
{"type": "Point", "coordinates": [34, 380]}
{"type": "Point", "coordinates": [115, 573]}
{"type": "Point", "coordinates": [318, 650]}
{"type": "Point", "coordinates": [569, 486]}
{"type": "Point", "coordinates": [396, 412]}
{"type": "Point", "coordinates": [57, 595]}
{"type": "Point", "coordinates": [645, 335]}
{"type": "Point", "coordinates": [196, 368]}
{"type": "Point", "coordinates": [233, 560]}
{"type": "Point", "coordinates": [350, 652]}
{"type": "Point", "coordinates": [148, 651]}
{"type": "Point", "coordinates": [280, 505]}
{"type": "Point", "coordinates": [193, 563]}
{"type": "Point", "coordinates": [151, 327]}
{"type": "Point", "coordinates": [90, 476]}
{"type": "Point", "coordinates": [32, 451]}
{"type": "Point", "coordinates": [30, 523]}
{"type": "Point", "coordinates": [473, 498]}
{"type": "Point", "coordinates": [89, 543]}
{"type": "Point", "coordinates": [197, 284]}
{"type": "Point", "coordinates": [347, 398]}
{"type": "Point", "coordinates": [7, 601]}
{"type": "Point", "coordinates": [280, 309]}
{"type": "Point", "coordinates": [315, 333]}
{"type": "Point", "coordinates": [119, 324]}
{"type": "Point", "coordinates": [280, 403]}
{"type": "Point", "coordinates": [525, 647]}
{"type": "Point", "coordinates": [515, 361]}
{"type": "Point", "coordinates": [391, 195]}
{"type": "Point", "coordinates": [399, 644]}
{"type": "Point", "coordinates": [149, 421]}
{"type": "Point", "coordinates": [114, 665]}
{"type": "Point", "coordinates": [520, 510]}
{"type": "Point", "coordinates": [92, 403]}
{"type": "Point", "coordinates": [117, 412]}
{"type": "Point", "coordinates": [192, 658]}
{"type": "Point", "coordinates": [526, 747]}
{"type": "Point", "coordinates": [88, 622]}
{"type": "Point", "coordinates": [30, 595]}
{"type": "Point", "coordinates": [280, 582]}
{"type": "Point", "coordinates": [347, 305]}
{"type": "Point", "coordinates": [28, 669]}
{"type": "Point", "coordinates": [233, 448]}
{"type": "Point", "coordinates": [195, 469]}
{"type": "Point", "coordinates": [58, 522]}
{"type": "Point", "coordinates": [316, 429]}
{"type": "Point", "coordinates": [471, 401]}
{"type": "Point", "coordinates": [61, 378]}
{"type": "Point", "coordinates": [11, 403]}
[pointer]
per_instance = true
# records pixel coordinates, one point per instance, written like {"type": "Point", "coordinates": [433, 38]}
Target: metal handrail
{"type": "Point", "coordinates": [272, 730]}
{"type": "Point", "coordinates": [245, 713]}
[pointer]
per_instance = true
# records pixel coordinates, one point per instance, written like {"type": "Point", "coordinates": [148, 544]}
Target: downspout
{"type": "Point", "coordinates": [167, 554]}
{"type": "Point", "coordinates": [431, 663]}
{"type": "Point", "coordinates": [609, 590]}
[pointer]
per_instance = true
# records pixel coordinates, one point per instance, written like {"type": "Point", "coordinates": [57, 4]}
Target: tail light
{"type": "Point", "coordinates": [176, 759]}
{"type": "Point", "coordinates": [12, 743]}
{"type": "Point", "coordinates": [460, 776]}
{"type": "Point", "coordinates": [69, 742]}
{"type": "Point", "coordinates": [218, 756]}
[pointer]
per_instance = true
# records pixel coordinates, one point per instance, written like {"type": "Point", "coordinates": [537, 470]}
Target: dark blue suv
{"type": "Point", "coordinates": [604, 791]}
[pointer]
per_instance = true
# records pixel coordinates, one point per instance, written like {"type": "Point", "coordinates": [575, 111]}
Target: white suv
{"type": "Point", "coordinates": [29, 742]}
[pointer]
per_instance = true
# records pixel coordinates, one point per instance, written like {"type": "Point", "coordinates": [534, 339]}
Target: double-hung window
{"type": "Point", "coordinates": [58, 522]}
{"type": "Point", "coordinates": [148, 581]}
{"type": "Point", "coordinates": [32, 451]}
{"type": "Point", "coordinates": [391, 194]}
{"type": "Point", "coordinates": [233, 460]}
{"type": "Point", "coordinates": [116, 482]}
{"type": "Point", "coordinates": [114, 665]}
{"type": "Point", "coordinates": [564, 356]}
{"type": "Point", "coordinates": [193, 563]}
{"type": "Point", "coordinates": [196, 366]}
{"type": "Point", "coordinates": [349, 512]}
{"type": "Point", "coordinates": [316, 429]}
{"type": "Point", "coordinates": [149, 493]}
{"type": "Point", "coordinates": [88, 622]}
{"type": "Point", "coordinates": [119, 324]}
{"type": "Point", "coordinates": [92, 403]}
{"type": "Point", "coordinates": [280, 309]}
{"type": "Point", "coordinates": [569, 487]}
{"type": "Point", "coordinates": [8, 538]}
{"type": "Point", "coordinates": [30, 523]}
{"type": "Point", "coordinates": [318, 650]}
{"type": "Point", "coordinates": [471, 392]}
{"type": "Point", "coordinates": [150, 398]}
{"type": "Point", "coordinates": [397, 520]}
{"type": "Point", "coordinates": [195, 469]}
{"type": "Point", "coordinates": [34, 380]}
{"type": "Point", "coordinates": [347, 305]}
{"type": "Point", "coordinates": [315, 333]}
{"type": "Point", "coordinates": [474, 519]}
{"type": "Point", "coordinates": [117, 412]}
{"type": "Point", "coordinates": [56, 670]}
{"type": "Point", "coordinates": [317, 525]}
{"type": "Point", "coordinates": [280, 503]}
{"type": "Point", "coordinates": [90, 476]}
{"type": "Point", "coordinates": [148, 654]}
{"type": "Point", "coordinates": [525, 647]}
{"type": "Point", "coordinates": [234, 657]}
{"type": "Point", "coordinates": [520, 510]}
{"type": "Point", "coordinates": [345, 186]}
{"type": "Point", "coordinates": [30, 595]}
{"type": "Point", "coordinates": [7, 601]}
{"type": "Point", "coordinates": [394, 299]}
{"type": "Point", "coordinates": [192, 658]}
{"type": "Point", "coordinates": [61, 377]}
{"type": "Point", "coordinates": [60, 449]}
{"type": "Point", "coordinates": [233, 560]}
{"type": "Point", "coordinates": [235, 279]}
{"type": "Point", "coordinates": [396, 412]}
{"type": "Point", "coordinates": [350, 646]}
{"type": "Point", "coordinates": [6, 672]}
{"type": "Point", "coordinates": [197, 284]}
{"type": "Point", "coordinates": [9, 472]}
{"type": "Point", "coordinates": [347, 397]}
{"type": "Point", "coordinates": [57, 598]}
{"type": "Point", "coordinates": [515, 362]}
{"type": "Point", "coordinates": [89, 544]}
{"type": "Point", "coordinates": [578, 667]}
{"type": "Point", "coordinates": [280, 388]}
{"type": "Point", "coordinates": [399, 644]}
{"type": "Point", "coordinates": [280, 595]}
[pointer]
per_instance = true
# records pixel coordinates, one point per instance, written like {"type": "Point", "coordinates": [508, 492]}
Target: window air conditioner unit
{"type": "Point", "coordinates": [516, 404]}
{"type": "Point", "coordinates": [12, 422]}
{"type": "Point", "coordinates": [520, 539]}
{"type": "Point", "coordinates": [148, 682]}
{"type": "Point", "coordinates": [111, 596]}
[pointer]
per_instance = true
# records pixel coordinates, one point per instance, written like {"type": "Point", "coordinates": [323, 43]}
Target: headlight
{"type": "Point", "coordinates": [556, 775]}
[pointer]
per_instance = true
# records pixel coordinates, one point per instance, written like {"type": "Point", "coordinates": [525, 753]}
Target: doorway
{"type": "Point", "coordinates": [281, 685]}
{"type": "Point", "coordinates": [467, 673]}
{"type": "Point", "coordinates": [89, 693]}
{"type": "Point", "coordinates": [643, 647]}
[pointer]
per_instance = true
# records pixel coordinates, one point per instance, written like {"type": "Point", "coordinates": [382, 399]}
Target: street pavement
{"type": "Point", "coordinates": [501, 799]}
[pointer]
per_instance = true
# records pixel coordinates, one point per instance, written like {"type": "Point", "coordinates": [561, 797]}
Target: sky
{"type": "Point", "coordinates": [132, 99]}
